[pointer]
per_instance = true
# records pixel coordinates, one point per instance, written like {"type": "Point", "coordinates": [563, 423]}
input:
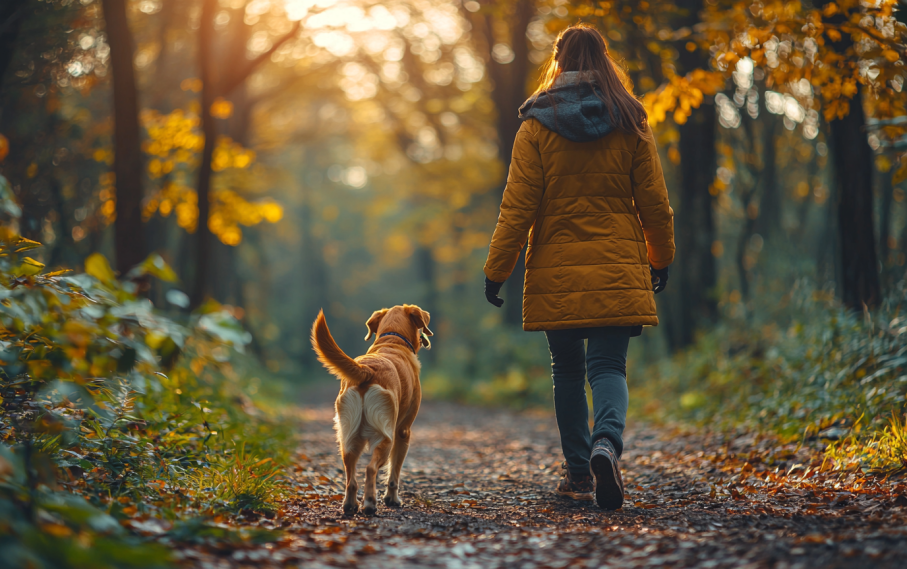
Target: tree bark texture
{"type": "Point", "coordinates": [128, 163]}
{"type": "Point", "coordinates": [853, 170]}
{"type": "Point", "coordinates": [203, 188]}
{"type": "Point", "coordinates": [695, 227]}
{"type": "Point", "coordinates": [694, 222]}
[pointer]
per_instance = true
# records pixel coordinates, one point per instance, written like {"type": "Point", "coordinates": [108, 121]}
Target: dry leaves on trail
{"type": "Point", "coordinates": [478, 493]}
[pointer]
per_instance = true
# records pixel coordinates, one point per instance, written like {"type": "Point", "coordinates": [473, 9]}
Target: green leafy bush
{"type": "Point", "coordinates": [114, 413]}
{"type": "Point", "coordinates": [813, 369]}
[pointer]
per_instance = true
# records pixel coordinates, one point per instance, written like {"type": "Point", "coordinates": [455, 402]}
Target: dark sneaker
{"type": "Point", "coordinates": [576, 487]}
{"type": "Point", "coordinates": [609, 487]}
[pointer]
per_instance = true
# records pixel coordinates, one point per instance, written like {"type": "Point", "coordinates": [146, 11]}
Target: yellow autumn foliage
{"type": "Point", "coordinates": [229, 210]}
{"type": "Point", "coordinates": [168, 134]}
{"type": "Point", "coordinates": [174, 146]}
{"type": "Point", "coordinates": [681, 95]}
{"type": "Point", "coordinates": [836, 50]}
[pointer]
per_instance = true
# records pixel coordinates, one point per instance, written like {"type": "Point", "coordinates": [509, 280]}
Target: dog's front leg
{"type": "Point", "coordinates": [379, 458]}
{"type": "Point", "coordinates": [398, 455]}
{"type": "Point", "coordinates": [350, 458]}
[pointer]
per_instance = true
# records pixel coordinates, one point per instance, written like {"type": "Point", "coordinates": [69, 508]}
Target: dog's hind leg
{"type": "Point", "coordinates": [398, 455]}
{"type": "Point", "coordinates": [379, 458]}
{"type": "Point", "coordinates": [351, 454]}
{"type": "Point", "coordinates": [348, 422]}
{"type": "Point", "coordinates": [380, 410]}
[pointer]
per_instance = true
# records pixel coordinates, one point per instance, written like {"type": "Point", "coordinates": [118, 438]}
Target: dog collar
{"type": "Point", "coordinates": [402, 337]}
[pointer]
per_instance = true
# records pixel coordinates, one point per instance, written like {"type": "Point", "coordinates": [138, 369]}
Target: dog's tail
{"type": "Point", "coordinates": [332, 357]}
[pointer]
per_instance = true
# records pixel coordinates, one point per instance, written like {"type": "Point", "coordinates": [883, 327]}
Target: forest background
{"type": "Point", "coordinates": [259, 160]}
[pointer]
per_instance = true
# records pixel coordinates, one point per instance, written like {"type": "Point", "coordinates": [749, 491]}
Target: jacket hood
{"type": "Point", "coordinates": [580, 115]}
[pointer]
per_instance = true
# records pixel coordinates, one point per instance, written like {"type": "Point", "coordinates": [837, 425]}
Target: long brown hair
{"type": "Point", "coordinates": [582, 48]}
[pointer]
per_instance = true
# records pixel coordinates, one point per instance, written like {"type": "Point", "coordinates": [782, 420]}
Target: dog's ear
{"type": "Point", "coordinates": [420, 320]}
{"type": "Point", "coordinates": [373, 322]}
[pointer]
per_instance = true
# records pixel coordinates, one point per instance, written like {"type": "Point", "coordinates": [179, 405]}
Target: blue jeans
{"type": "Point", "coordinates": [605, 362]}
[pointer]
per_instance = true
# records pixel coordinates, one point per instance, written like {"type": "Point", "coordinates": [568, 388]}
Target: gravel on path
{"type": "Point", "coordinates": [478, 493]}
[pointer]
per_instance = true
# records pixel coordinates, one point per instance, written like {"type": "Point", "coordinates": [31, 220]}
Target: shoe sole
{"type": "Point", "coordinates": [583, 496]}
{"type": "Point", "coordinates": [608, 493]}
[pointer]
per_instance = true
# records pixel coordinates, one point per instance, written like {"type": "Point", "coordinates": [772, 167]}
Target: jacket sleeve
{"type": "Point", "coordinates": [519, 208]}
{"type": "Point", "coordinates": [651, 197]}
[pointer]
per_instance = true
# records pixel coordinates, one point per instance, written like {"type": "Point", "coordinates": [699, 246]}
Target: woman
{"type": "Point", "coordinates": [586, 189]}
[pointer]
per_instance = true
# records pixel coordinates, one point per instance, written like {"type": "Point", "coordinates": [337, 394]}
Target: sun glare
{"type": "Point", "coordinates": [299, 9]}
{"type": "Point", "coordinates": [382, 30]}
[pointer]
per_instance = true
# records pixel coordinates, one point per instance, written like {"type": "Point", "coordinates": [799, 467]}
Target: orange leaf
{"type": "Point", "coordinates": [56, 530]}
{"type": "Point", "coordinates": [890, 55]}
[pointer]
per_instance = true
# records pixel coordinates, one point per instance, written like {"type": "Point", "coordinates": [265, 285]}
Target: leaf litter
{"type": "Point", "coordinates": [478, 492]}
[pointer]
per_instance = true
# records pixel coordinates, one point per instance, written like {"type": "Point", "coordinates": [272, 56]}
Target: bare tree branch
{"type": "Point", "coordinates": [240, 76]}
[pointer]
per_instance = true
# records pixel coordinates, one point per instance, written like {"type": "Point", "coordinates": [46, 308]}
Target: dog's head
{"type": "Point", "coordinates": [408, 320]}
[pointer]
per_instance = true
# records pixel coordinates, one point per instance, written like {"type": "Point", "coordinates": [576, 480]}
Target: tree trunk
{"type": "Point", "coordinates": [510, 78]}
{"type": "Point", "coordinates": [127, 164]}
{"type": "Point", "coordinates": [509, 92]}
{"type": "Point", "coordinates": [12, 13]}
{"type": "Point", "coordinates": [224, 278]}
{"type": "Point", "coordinates": [203, 235]}
{"type": "Point", "coordinates": [853, 169]}
{"type": "Point", "coordinates": [162, 88]}
{"type": "Point", "coordinates": [887, 195]}
{"type": "Point", "coordinates": [770, 204]}
{"type": "Point", "coordinates": [239, 127]}
{"type": "Point", "coordinates": [694, 224]}
{"type": "Point", "coordinates": [218, 81]}
{"type": "Point", "coordinates": [828, 266]}
{"type": "Point", "coordinates": [695, 227]}
{"type": "Point", "coordinates": [746, 193]}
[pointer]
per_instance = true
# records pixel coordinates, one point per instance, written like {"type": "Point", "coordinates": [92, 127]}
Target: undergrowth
{"type": "Point", "coordinates": [801, 367]}
{"type": "Point", "coordinates": [810, 370]}
{"type": "Point", "coordinates": [120, 423]}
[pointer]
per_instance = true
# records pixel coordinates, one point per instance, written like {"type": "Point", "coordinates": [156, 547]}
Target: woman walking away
{"type": "Point", "coordinates": [586, 189]}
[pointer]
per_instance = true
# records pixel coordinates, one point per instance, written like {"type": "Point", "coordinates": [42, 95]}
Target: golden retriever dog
{"type": "Point", "coordinates": [379, 398]}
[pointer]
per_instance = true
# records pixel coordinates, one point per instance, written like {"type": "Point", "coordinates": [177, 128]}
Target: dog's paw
{"type": "Point", "coordinates": [392, 501]}
{"type": "Point", "coordinates": [369, 507]}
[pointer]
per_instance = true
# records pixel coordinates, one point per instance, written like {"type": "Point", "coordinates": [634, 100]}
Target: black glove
{"type": "Point", "coordinates": [659, 278]}
{"type": "Point", "coordinates": [491, 292]}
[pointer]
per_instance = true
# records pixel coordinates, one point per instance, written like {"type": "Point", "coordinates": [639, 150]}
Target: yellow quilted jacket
{"type": "Point", "coordinates": [596, 215]}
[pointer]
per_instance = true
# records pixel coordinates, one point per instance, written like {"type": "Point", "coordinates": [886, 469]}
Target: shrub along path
{"type": "Point", "coordinates": [478, 493]}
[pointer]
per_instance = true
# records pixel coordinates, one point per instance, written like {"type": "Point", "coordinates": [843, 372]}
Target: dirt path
{"type": "Point", "coordinates": [478, 493]}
